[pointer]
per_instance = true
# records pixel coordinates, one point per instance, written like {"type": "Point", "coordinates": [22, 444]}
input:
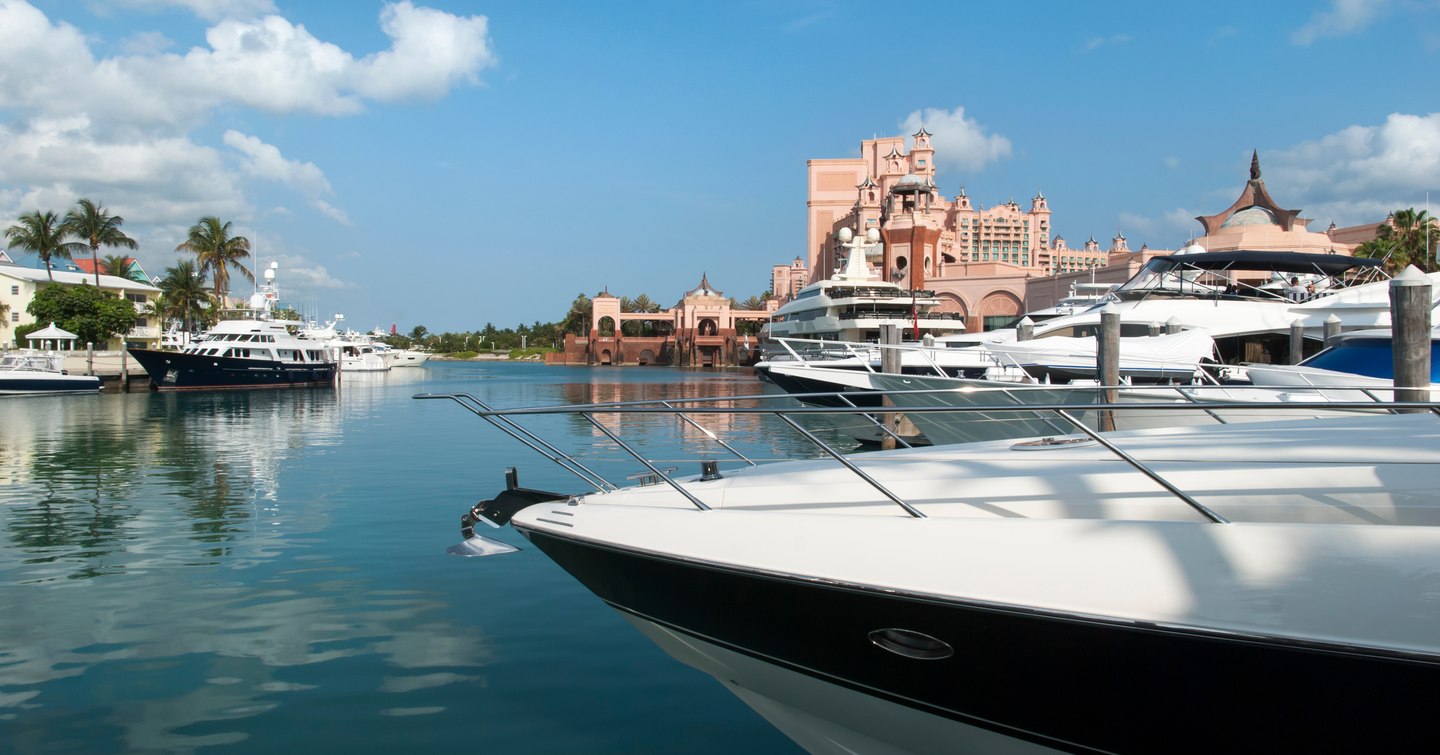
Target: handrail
{"type": "Point", "coordinates": [502, 419]}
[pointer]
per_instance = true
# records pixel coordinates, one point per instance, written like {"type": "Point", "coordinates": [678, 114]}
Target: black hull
{"type": "Point", "coordinates": [1063, 681]}
{"type": "Point", "coordinates": [39, 386]}
{"type": "Point", "coordinates": [171, 370]}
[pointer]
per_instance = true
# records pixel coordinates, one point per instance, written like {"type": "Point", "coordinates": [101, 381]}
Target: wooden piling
{"type": "Point", "coordinates": [1332, 329]}
{"type": "Point", "coordinates": [1410, 333]}
{"type": "Point", "coordinates": [1297, 342]}
{"type": "Point", "coordinates": [1107, 361]}
{"type": "Point", "coordinates": [1025, 329]}
{"type": "Point", "coordinates": [889, 363]}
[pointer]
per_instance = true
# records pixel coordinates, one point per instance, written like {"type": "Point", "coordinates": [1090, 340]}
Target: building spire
{"type": "Point", "coordinates": [1255, 165]}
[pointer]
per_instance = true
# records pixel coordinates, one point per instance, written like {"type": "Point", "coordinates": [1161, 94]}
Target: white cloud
{"type": "Point", "coordinates": [1344, 17]}
{"type": "Point", "coordinates": [959, 142]}
{"type": "Point", "coordinates": [1360, 173]}
{"type": "Point", "coordinates": [430, 52]}
{"type": "Point", "coordinates": [210, 10]}
{"type": "Point", "coordinates": [1166, 231]}
{"type": "Point", "coordinates": [264, 161]}
{"type": "Point", "coordinates": [123, 129]}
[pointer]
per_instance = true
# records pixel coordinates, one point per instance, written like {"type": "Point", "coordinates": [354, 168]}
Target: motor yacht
{"type": "Point", "coordinates": [1357, 362]}
{"type": "Point", "coordinates": [855, 303]}
{"type": "Point", "coordinates": [246, 349]}
{"type": "Point", "coordinates": [1063, 593]}
{"type": "Point", "coordinates": [32, 372]}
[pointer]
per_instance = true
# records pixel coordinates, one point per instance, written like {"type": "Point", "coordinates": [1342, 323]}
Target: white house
{"type": "Point", "coordinates": [19, 284]}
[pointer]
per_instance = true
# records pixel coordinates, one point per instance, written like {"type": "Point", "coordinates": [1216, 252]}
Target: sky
{"type": "Point", "coordinates": [452, 164]}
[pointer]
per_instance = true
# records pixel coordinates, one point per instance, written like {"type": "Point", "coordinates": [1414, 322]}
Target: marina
{"type": "Point", "coordinates": [201, 571]}
{"type": "Point", "coordinates": [889, 398]}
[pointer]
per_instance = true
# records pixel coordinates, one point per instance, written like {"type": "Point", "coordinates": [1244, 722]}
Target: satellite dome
{"type": "Point", "coordinates": [1192, 248]}
{"type": "Point", "coordinates": [873, 236]}
{"type": "Point", "coordinates": [845, 235]}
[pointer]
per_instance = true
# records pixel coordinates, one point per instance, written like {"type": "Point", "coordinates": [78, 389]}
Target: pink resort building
{"type": "Point", "coordinates": [991, 264]}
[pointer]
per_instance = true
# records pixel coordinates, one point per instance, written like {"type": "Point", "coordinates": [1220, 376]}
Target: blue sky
{"type": "Point", "coordinates": [449, 164]}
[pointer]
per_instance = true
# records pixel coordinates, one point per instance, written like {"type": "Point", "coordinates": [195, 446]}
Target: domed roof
{"type": "Point", "coordinates": [910, 184]}
{"type": "Point", "coordinates": [1250, 216]}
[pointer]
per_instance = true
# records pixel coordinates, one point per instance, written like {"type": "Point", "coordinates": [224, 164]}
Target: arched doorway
{"type": "Point", "coordinates": [999, 310]}
{"type": "Point", "coordinates": [646, 357]}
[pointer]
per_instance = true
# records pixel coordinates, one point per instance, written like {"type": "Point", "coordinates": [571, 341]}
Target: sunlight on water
{"type": "Point", "coordinates": [265, 570]}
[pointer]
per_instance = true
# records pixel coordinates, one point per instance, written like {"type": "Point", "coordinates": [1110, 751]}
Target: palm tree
{"type": "Point", "coordinates": [577, 320]}
{"type": "Point", "coordinates": [217, 251]}
{"type": "Point", "coordinates": [96, 227]}
{"type": "Point", "coordinates": [183, 294]}
{"type": "Point", "coordinates": [41, 233]}
{"type": "Point", "coordinates": [1408, 237]}
{"type": "Point", "coordinates": [120, 266]}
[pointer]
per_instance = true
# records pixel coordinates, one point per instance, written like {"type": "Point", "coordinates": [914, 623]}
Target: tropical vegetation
{"type": "Point", "coordinates": [1408, 237]}
{"type": "Point", "coordinates": [217, 251]}
{"type": "Point", "coordinates": [42, 234]}
{"type": "Point", "coordinates": [94, 227]}
{"type": "Point", "coordinates": [183, 296]}
{"type": "Point", "coordinates": [93, 314]}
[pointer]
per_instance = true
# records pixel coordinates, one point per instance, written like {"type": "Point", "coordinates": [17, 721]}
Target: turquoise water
{"type": "Point", "coordinates": [265, 571]}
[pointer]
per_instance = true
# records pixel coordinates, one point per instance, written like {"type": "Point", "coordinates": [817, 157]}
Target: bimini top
{"type": "Point", "coordinates": [1281, 262]}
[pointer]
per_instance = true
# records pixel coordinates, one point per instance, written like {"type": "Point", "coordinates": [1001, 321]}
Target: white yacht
{"type": "Point", "coordinates": [356, 352]}
{"type": "Point", "coordinates": [401, 357]}
{"type": "Point", "coordinates": [248, 349]}
{"type": "Point", "coordinates": [32, 372]}
{"type": "Point", "coordinates": [1065, 593]}
{"type": "Point", "coordinates": [855, 303]}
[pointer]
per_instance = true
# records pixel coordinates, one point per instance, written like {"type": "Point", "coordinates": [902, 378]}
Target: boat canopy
{"type": "Point", "coordinates": [1280, 262]}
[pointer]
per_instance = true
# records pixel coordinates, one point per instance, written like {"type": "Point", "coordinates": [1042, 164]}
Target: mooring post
{"type": "Point", "coordinates": [890, 364]}
{"type": "Point", "coordinates": [1410, 332]}
{"type": "Point", "coordinates": [1025, 329]}
{"type": "Point", "coordinates": [1154, 329]}
{"type": "Point", "coordinates": [124, 370]}
{"type": "Point", "coordinates": [1297, 341]}
{"type": "Point", "coordinates": [90, 357]}
{"type": "Point", "coordinates": [1172, 325]}
{"type": "Point", "coordinates": [1332, 329]}
{"type": "Point", "coordinates": [1107, 361]}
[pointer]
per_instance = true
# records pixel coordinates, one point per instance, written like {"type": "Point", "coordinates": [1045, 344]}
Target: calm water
{"type": "Point", "coordinates": [265, 572]}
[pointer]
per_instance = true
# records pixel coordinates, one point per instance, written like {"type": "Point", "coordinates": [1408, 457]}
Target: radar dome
{"type": "Point", "coordinates": [845, 235]}
{"type": "Point", "coordinates": [873, 235]}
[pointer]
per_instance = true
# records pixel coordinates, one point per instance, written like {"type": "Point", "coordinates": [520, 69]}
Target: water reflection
{"type": "Point", "coordinates": [167, 566]}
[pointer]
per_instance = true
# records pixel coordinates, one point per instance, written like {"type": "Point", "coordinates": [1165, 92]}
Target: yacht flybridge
{"type": "Point", "coordinates": [246, 349]}
{"type": "Point", "coordinates": [1068, 592]}
{"type": "Point", "coordinates": [855, 303]}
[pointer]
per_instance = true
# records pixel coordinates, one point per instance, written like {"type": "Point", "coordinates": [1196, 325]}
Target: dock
{"type": "Point", "coordinates": [118, 373]}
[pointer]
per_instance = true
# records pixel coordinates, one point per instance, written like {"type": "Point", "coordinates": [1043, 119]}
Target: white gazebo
{"type": "Point", "coordinates": [52, 333]}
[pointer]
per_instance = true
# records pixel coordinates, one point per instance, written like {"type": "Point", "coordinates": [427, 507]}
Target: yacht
{"type": "Point", "coordinates": [1362, 361]}
{"type": "Point", "coordinates": [1236, 298]}
{"type": "Point", "coordinates": [401, 357]}
{"type": "Point", "coordinates": [855, 303]}
{"type": "Point", "coordinates": [246, 349]}
{"type": "Point", "coordinates": [32, 372]}
{"type": "Point", "coordinates": [1231, 297]}
{"type": "Point", "coordinates": [1063, 593]}
{"type": "Point", "coordinates": [1082, 296]}
{"type": "Point", "coordinates": [356, 352]}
